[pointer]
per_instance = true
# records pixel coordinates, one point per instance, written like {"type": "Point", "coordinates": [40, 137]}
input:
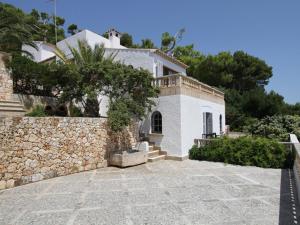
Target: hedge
{"type": "Point", "coordinates": [246, 151]}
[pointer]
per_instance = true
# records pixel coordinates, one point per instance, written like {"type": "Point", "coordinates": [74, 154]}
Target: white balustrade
{"type": "Point", "coordinates": [179, 80]}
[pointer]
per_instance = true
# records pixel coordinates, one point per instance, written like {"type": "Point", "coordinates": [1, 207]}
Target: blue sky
{"type": "Point", "coordinates": [268, 29]}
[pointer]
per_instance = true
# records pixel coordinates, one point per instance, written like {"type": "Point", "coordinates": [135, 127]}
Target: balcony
{"type": "Point", "coordinates": [177, 84]}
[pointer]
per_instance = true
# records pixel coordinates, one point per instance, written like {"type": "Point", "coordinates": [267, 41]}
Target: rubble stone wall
{"type": "Point", "coordinates": [37, 148]}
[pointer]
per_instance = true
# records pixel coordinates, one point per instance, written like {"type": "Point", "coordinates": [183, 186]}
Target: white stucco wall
{"type": "Point", "coordinates": [90, 37]}
{"type": "Point", "coordinates": [146, 59]}
{"type": "Point", "coordinates": [136, 58]}
{"type": "Point", "coordinates": [170, 140]}
{"type": "Point", "coordinates": [47, 52]}
{"type": "Point", "coordinates": [182, 122]}
{"type": "Point", "coordinates": [192, 110]}
{"type": "Point", "coordinates": [103, 106]}
{"type": "Point", "coordinates": [71, 41]}
{"type": "Point", "coordinates": [41, 53]}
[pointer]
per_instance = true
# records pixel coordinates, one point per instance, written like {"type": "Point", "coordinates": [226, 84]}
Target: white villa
{"type": "Point", "coordinates": [186, 109]}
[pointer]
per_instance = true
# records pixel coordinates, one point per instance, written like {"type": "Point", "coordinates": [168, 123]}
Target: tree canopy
{"type": "Point", "coordinates": [239, 71]}
{"type": "Point", "coordinates": [169, 42]}
{"type": "Point", "coordinates": [87, 76]}
{"type": "Point", "coordinates": [34, 78]}
{"type": "Point", "coordinates": [14, 29]}
{"type": "Point", "coordinates": [243, 77]}
{"type": "Point", "coordinates": [73, 29]}
{"type": "Point", "coordinates": [147, 43]}
{"type": "Point", "coordinates": [18, 27]}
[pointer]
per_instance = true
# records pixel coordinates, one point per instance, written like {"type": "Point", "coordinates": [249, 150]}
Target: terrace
{"type": "Point", "coordinates": [178, 84]}
{"type": "Point", "coordinates": [165, 192]}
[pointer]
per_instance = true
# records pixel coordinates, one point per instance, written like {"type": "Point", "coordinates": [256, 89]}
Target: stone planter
{"type": "Point", "coordinates": [128, 158]}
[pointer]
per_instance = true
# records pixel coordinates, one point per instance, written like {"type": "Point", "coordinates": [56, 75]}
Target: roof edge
{"type": "Point", "coordinates": [155, 51]}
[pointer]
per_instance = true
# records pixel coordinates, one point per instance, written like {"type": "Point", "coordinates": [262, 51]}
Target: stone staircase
{"type": "Point", "coordinates": [8, 106]}
{"type": "Point", "coordinates": [155, 153]}
{"type": "Point", "coordinates": [11, 108]}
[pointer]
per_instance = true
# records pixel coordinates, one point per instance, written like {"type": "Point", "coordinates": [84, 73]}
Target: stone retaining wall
{"type": "Point", "coordinates": [33, 149]}
{"type": "Point", "coordinates": [30, 101]}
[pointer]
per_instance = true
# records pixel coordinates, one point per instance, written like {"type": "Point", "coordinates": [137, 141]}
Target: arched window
{"type": "Point", "coordinates": [221, 124]}
{"type": "Point", "coordinates": [156, 122]}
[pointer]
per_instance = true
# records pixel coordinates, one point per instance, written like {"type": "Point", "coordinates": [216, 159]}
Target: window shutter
{"type": "Point", "coordinates": [221, 124]}
{"type": "Point", "coordinates": [212, 123]}
{"type": "Point", "coordinates": [204, 123]}
{"type": "Point", "coordinates": [209, 123]}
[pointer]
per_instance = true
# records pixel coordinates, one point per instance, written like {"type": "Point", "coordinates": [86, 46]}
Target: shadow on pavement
{"type": "Point", "coordinates": [289, 207]}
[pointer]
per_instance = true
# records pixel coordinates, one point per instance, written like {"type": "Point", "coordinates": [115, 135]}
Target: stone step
{"type": "Point", "coordinates": [156, 158]}
{"type": "Point", "coordinates": [11, 113]}
{"type": "Point", "coordinates": [154, 147]}
{"type": "Point", "coordinates": [12, 109]}
{"type": "Point", "coordinates": [9, 102]}
{"type": "Point", "coordinates": [11, 105]}
{"type": "Point", "coordinates": [153, 153]}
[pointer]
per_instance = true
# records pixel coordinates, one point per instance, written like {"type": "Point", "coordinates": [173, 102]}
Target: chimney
{"type": "Point", "coordinates": [114, 38]}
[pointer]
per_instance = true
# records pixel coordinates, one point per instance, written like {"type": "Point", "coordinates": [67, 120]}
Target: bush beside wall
{"type": "Point", "coordinates": [247, 151]}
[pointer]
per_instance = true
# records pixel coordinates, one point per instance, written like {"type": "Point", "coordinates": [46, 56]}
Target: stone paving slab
{"type": "Point", "coordinates": [164, 192]}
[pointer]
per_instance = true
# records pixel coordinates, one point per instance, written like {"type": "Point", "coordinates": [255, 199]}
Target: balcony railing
{"type": "Point", "coordinates": [181, 84]}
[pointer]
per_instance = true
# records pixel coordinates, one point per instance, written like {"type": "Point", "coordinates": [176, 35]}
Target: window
{"type": "Point", "coordinates": [156, 122]}
{"type": "Point", "coordinates": [221, 124]}
{"type": "Point", "coordinates": [168, 71]}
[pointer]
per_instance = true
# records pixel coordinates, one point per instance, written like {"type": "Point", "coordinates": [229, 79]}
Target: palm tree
{"type": "Point", "coordinates": [147, 43]}
{"type": "Point", "coordinates": [82, 58]}
{"type": "Point", "coordinates": [84, 54]}
{"type": "Point", "coordinates": [14, 31]}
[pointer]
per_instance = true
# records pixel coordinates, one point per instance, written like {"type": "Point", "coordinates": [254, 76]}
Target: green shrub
{"type": "Point", "coordinates": [247, 151]}
{"type": "Point", "coordinates": [118, 116]}
{"type": "Point", "coordinates": [37, 111]}
{"type": "Point", "coordinates": [275, 127]}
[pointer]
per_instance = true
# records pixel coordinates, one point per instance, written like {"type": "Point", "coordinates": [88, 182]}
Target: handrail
{"type": "Point", "coordinates": [296, 166]}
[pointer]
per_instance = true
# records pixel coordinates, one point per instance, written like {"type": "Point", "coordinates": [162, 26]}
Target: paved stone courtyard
{"type": "Point", "coordinates": [165, 192]}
